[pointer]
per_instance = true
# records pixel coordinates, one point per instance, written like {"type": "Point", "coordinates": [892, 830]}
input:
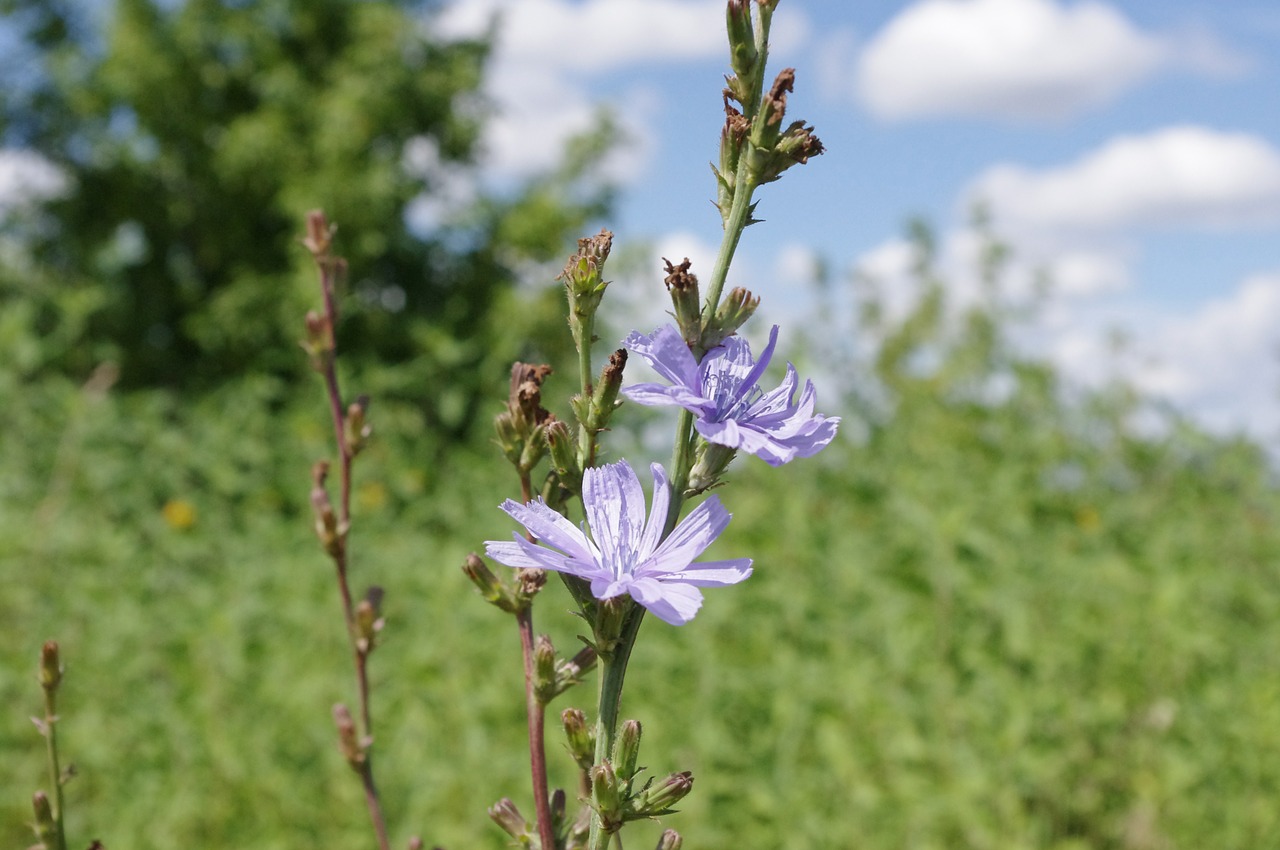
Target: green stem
{"type": "Point", "coordinates": [613, 669]}
{"type": "Point", "coordinates": [586, 438]}
{"type": "Point", "coordinates": [55, 771]}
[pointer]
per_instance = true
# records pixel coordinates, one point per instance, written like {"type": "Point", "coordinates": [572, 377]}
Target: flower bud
{"type": "Point", "coordinates": [709, 466]}
{"type": "Point", "coordinates": [607, 794]}
{"type": "Point", "coordinates": [369, 621]}
{"type": "Point", "coordinates": [731, 314]}
{"type": "Point", "coordinates": [353, 749]}
{"type": "Point", "coordinates": [670, 840]}
{"type": "Point", "coordinates": [581, 737]}
{"type": "Point", "coordinates": [319, 236]}
{"type": "Point", "coordinates": [628, 753]}
{"type": "Point", "coordinates": [544, 669]}
{"type": "Point", "coordinates": [505, 814]}
{"type": "Point", "coordinates": [46, 828]}
{"type": "Point", "coordinates": [494, 591]}
{"type": "Point", "coordinates": [318, 343]}
{"type": "Point", "coordinates": [605, 399]}
{"type": "Point", "coordinates": [569, 672]}
{"type": "Point", "coordinates": [50, 666]}
{"type": "Point", "coordinates": [582, 272]}
{"type": "Point", "coordinates": [564, 455]}
{"type": "Point", "coordinates": [742, 39]}
{"type": "Point", "coordinates": [610, 614]}
{"type": "Point", "coordinates": [355, 431]}
{"type": "Point", "coordinates": [332, 533]}
{"type": "Point", "coordinates": [657, 799]}
{"type": "Point", "coordinates": [415, 843]}
{"type": "Point", "coordinates": [682, 285]}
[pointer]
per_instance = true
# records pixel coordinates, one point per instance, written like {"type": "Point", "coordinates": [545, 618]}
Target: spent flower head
{"type": "Point", "coordinates": [625, 553]}
{"type": "Point", "coordinates": [723, 391]}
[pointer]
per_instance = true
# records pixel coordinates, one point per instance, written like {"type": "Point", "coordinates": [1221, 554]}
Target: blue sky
{"type": "Point", "coordinates": [1132, 149]}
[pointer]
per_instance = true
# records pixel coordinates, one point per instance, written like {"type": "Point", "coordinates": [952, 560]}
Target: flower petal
{"type": "Point", "coordinates": [657, 514]}
{"type": "Point", "coordinates": [667, 353]}
{"type": "Point", "coordinates": [688, 539]}
{"type": "Point", "coordinates": [757, 371]}
{"type": "Point", "coordinates": [671, 602]}
{"type": "Point", "coordinates": [614, 504]}
{"type": "Point", "coordinates": [551, 528]}
{"type": "Point", "coordinates": [713, 573]}
{"type": "Point", "coordinates": [657, 395]}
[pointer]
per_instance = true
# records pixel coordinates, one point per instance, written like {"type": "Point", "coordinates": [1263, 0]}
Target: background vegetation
{"type": "Point", "coordinates": [994, 615]}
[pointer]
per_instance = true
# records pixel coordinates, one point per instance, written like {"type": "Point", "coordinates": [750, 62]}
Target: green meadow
{"type": "Point", "coordinates": [1005, 623]}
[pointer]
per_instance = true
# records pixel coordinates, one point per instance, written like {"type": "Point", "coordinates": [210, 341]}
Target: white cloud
{"type": "Point", "coordinates": [1010, 59]}
{"type": "Point", "coordinates": [1220, 362]}
{"type": "Point", "coordinates": [1180, 176]}
{"type": "Point", "coordinates": [597, 35]}
{"type": "Point", "coordinates": [27, 177]}
{"type": "Point", "coordinates": [544, 52]}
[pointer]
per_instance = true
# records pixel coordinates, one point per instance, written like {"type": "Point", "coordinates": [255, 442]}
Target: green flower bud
{"type": "Point", "coordinates": [606, 791]}
{"type": "Point", "coordinates": [494, 591]}
{"type": "Point", "coordinates": [581, 737]}
{"type": "Point", "coordinates": [731, 314]}
{"type": "Point", "coordinates": [583, 281]}
{"type": "Point", "coordinates": [709, 466]}
{"type": "Point", "coordinates": [46, 827]}
{"type": "Point", "coordinates": [658, 799]}
{"type": "Point", "coordinates": [50, 666]}
{"type": "Point", "coordinates": [544, 669]}
{"type": "Point", "coordinates": [605, 399]}
{"type": "Point", "coordinates": [628, 752]}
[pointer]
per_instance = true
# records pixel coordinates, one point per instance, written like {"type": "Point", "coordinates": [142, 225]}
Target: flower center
{"type": "Point", "coordinates": [725, 388]}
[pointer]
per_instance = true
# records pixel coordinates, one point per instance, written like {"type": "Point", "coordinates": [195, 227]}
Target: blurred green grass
{"type": "Point", "coordinates": [980, 626]}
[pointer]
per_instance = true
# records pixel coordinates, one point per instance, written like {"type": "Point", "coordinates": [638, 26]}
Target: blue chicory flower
{"type": "Point", "coordinates": [625, 554]}
{"type": "Point", "coordinates": [723, 391]}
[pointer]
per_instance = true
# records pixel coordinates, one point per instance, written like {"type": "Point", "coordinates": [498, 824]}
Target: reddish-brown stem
{"type": "Point", "coordinates": [375, 805]}
{"type": "Point", "coordinates": [361, 657]}
{"type": "Point", "coordinates": [537, 722]}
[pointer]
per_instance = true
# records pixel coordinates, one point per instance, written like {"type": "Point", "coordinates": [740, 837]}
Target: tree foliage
{"type": "Point", "coordinates": [194, 136]}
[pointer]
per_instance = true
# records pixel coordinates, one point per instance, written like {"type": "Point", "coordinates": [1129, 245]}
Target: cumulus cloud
{"type": "Point", "coordinates": [1007, 59]}
{"type": "Point", "coordinates": [1219, 362]}
{"type": "Point", "coordinates": [1184, 176]}
{"type": "Point", "coordinates": [546, 50]}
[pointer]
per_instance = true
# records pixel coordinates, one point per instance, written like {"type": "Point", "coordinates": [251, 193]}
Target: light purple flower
{"type": "Point", "coordinates": [723, 390]}
{"type": "Point", "coordinates": [624, 553]}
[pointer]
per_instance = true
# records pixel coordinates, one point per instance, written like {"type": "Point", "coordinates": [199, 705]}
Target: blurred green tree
{"type": "Point", "coordinates": [193, 136]}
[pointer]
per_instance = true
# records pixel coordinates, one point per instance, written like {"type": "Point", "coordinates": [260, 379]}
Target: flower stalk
{"type": "Point", "coordinates": [351, 430]}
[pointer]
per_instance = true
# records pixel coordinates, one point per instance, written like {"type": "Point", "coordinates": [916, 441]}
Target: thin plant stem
{"type": "Point", "coordinates": [327, 265]}
{"type": "Point", "coordinates": [55, 770]}
{"type": "Point", "coordinates": [537, 715]}
{"type": "Point", "coordinates": [535, 709]}
{"type": "Point", "coordinates": [613, 670]}
{"type": "Point", "coordinates": [586, 437]}
{"type": "Point", "coordinates": [614, 665]}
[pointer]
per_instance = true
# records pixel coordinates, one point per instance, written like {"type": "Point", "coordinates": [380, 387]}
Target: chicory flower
{"type": "Point", "coordinates": [625, 553]}
{"type": "Point", "coordinates": [724, 393]}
